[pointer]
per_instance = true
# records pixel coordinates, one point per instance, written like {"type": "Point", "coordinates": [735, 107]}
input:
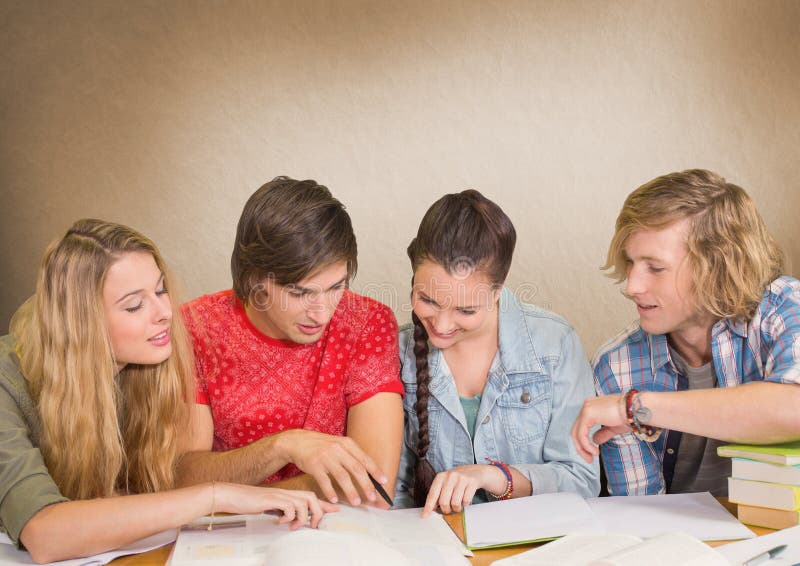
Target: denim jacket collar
{"type": "Point", "coordinates": [442, 387]}
{"type": "Point", "coordinates": [515, 344]}
{"type": "Point", "coordinates": [517, 350]}
{"type": "Point", "coordinates": [516, 355]}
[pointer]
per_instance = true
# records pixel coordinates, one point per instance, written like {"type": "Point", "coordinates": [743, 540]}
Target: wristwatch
{"type": "Point", "coordinates": [638, 416]}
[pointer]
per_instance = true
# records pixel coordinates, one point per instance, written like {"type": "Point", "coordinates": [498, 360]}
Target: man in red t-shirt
{"type": "Point", "coordinates": [297, 377]}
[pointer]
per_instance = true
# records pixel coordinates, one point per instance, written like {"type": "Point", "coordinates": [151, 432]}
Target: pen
{"type": "Point", "coordinates": [381, 491]}
{"type": "Point", "coordinates": [764, 556]}
{"type": "Point", "coordinates": [225, 521]}
{"type": "Point", "coordinates": [218, 526]}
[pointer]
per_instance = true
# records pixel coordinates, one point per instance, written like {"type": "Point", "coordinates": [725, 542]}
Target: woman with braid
{"type": "Point", "coordinates": [492, 384]}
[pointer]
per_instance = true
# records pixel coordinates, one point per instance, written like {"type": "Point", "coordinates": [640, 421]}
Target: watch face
{"type": "Point", "coordinates": [643, 414]}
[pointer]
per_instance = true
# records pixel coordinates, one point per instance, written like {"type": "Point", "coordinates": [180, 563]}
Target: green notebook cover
{"type": "Point", "coordinates": [502, 545]}
{"type": "Point", "coordinates": [787, 454]}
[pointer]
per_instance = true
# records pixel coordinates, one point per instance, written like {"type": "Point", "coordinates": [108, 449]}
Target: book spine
{"type": "Point", "coordinates": [754, 470]}
{"type": "Point", "coordinates": [764, 494]}
{"type": "Point", "coordinates": [766, 517]}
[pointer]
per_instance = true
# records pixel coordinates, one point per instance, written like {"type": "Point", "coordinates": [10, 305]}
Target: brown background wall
{"type": "Point", "coordinates": [167, 115]}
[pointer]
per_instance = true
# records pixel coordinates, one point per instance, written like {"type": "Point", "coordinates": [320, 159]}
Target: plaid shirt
{"type": "Point", "coordinates": [765, 348]}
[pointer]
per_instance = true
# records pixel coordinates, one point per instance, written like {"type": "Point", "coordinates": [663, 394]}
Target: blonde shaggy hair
{"type": "Point", "coordinates": [732, 255]}
{"type": "Point", "coordinates": [101, 433]}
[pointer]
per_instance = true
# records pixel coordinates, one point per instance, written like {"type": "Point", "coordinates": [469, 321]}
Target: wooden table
{"type": "Point", "coordinates": [158, 557]}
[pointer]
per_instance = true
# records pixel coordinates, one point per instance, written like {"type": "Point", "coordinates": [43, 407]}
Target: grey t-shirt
{"type": "Point", "coordinates": [698, 468]}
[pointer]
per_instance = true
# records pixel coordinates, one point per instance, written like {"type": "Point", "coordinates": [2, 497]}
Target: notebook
{"type": "Point", "coordinates": [548, 516]}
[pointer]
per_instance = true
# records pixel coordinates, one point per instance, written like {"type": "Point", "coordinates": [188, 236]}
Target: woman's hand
{"type": "Point", "coordinates": [454, 489]}
{"type": "Point", "coordinates": [299, 508]}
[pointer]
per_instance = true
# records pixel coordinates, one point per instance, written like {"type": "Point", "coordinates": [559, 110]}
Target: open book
{"type": "Point", "coordinates": [357, 536]}
{"type": "Point", "coordinates": [551, 515]}
{"type": "Point", "coordinates": [670, 549]}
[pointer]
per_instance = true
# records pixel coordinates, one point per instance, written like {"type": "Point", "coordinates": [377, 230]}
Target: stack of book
{"type": "Point", "coordinates": [765, 483]}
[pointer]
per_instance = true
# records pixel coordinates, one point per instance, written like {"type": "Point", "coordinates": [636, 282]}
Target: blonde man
{"type": "Point", "coordinates": [715, 354]}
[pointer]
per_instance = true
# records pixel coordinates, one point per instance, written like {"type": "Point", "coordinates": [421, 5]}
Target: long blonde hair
{"type": "Point", "coordinates": [100, 433]}
{"type": "Point", "coordinates": [732, 255]}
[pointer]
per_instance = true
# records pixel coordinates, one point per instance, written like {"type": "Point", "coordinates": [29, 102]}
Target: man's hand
{"type": "Point", "coordinates": [339, 458]}
{"type": "Point", "coordinates": [607, 411]}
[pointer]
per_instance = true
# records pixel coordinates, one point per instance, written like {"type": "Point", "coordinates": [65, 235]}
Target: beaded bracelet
{"type": "Point", "coordinates": [509, 479]}
{"type": "Point", "coordinates": [637, 417]}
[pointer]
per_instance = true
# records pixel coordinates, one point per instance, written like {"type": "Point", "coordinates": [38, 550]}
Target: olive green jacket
{"type": "Point", "coordinates": [25, 484]}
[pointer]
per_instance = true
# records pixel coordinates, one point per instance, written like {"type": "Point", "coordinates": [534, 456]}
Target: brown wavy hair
{"type": "Point", "coordinates": [459, 230]}
{"type": "Point", "coordinates": [287, 231]}
{"type": "Point", "coordinates": [732, 255]}
{"type": "Point", "coordinates": [101, 433]}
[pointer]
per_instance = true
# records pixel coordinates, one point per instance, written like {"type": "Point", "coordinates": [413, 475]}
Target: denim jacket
{"type": "Point", "coordinates": [535, 390]}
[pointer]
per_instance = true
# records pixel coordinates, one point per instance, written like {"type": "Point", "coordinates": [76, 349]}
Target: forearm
{"type": "Point", "coordinates": [762, 412]}
{"type": "Point", "coordinates": [250, 464]}
{"type": "Point", "coordinates": [82, 528]}
{"type": "Point", "coordinates": [306, 482]}
{"type": "Point", "coordinates": [377, 426]}
{"type": "Point", "coordinates": [552, 477]}
{"type": "Point", "coordinates": [303, 482]}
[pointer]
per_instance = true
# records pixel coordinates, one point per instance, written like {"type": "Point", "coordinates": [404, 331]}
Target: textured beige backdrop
{"type": "Point", "coordinates": [166, 115]}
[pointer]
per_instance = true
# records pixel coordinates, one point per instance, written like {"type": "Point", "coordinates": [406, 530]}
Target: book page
{"type": "Point", "coordinates": [312, 548]}
{"type": "Point", "coordinates": [525, 519]}
{"type": "Point", "coordinates": [645, 516]}
{"type": "Point", "coordinates": [351, 536]}
{"type": "Point", "coordinates": [571, 550]}
{"type": "Point", "coordinates": [396, 526]}
{"type": "Point", "coordinates": [428, 541]}
{"type": "Point", "coordinates": [671, 549]}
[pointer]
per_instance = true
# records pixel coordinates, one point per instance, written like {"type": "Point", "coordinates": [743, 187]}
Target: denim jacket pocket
{"type": "Point", "coordinates": [524, 408]}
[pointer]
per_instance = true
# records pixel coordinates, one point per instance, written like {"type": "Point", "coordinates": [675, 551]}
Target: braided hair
{"type": "Point", "coordinates": [458, 230]}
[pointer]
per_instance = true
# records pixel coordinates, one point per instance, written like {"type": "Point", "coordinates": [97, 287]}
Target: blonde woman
{"type": "Point", "coordinates": [95, 378]}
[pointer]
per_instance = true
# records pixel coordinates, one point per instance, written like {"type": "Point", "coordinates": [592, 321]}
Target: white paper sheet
{"type": "Point", "coordinates": [572, 550]}
{"type": "Point", "coordinates": [645, 516]}
{"type": "Point", "coordinates": [528, 518]}
{"type": "Point", "coordinates": [669, 549]}
{"type": "Point", "coordinates": [738, 552]}
{"type": "Point", "coordinates": [10, 556]}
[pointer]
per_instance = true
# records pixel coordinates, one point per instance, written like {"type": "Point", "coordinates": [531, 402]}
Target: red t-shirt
{"type": "Point", "coordinates": [256, 385]}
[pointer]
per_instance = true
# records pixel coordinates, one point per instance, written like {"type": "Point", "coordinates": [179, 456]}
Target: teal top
{"type": "Point", "coordinates": [471, 406]}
